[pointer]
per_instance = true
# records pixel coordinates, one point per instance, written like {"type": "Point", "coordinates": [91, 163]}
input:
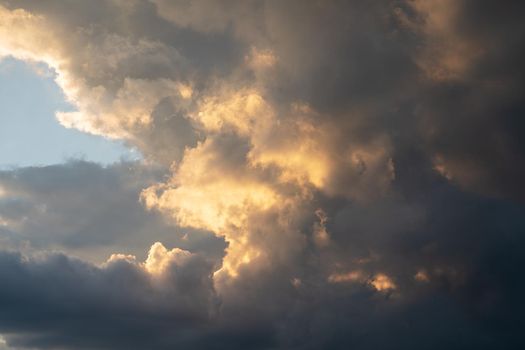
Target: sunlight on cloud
{"type": "Point", "coordinates": [382, 282]}
{"type": "Point", "coordinates": [206, 191]}
{"type": "Point", "coordinates": [102, 110]}
{"type": "Point", "coordinates": [352, 276]}
{"type": "Point", "coordinates": [379, 282]}
{"type": "Point", "coordinates": [317, 171]}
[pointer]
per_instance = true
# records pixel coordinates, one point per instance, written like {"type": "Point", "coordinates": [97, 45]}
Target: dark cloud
{"type": "Point", "coordinates": [89, 210]}
{"type": "Point", "coordinates": [469, 246]}
{"type": "Point", "coordinates": [350, 175]}
{"type": "Point", "coordinates": [54, 301]}
{"type": "Point", "coordinates": [470, 122]}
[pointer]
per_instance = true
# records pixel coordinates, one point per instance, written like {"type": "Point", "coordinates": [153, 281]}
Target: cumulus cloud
{"type": "Point", "coordinates": [322, 175]}
{"type": "Point", "coordinates": [77, 300]}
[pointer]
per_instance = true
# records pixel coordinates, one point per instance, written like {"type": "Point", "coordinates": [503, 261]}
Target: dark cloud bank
{"type": "Point", "coordinates": [423, 244]}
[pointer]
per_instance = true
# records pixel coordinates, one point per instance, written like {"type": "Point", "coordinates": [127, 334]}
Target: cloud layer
{"type": "Point", "coordinates": [335, 174]}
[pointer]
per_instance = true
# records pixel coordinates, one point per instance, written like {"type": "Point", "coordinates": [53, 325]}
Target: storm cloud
{"type": "Point", "coordinates": [315, 175]}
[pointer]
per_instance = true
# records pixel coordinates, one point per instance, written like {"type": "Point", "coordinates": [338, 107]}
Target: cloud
{"type": "Point", "coordinates": [325, 174]}
{"type": "Point", "coordinates": [88, 210]}
{"type": "Point", "coordinates": [470, 113]}
{"type": "Point", "coordinates": [78, 300]}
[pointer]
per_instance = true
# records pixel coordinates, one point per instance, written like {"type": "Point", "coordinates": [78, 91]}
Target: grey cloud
{"type": "Point", "coordinates": [470, 122]}
{"type": "Point", "coordinates": [437, 94]}
{"type": "Point", "coordinates": [469, 245]}
{"type": "Point", "coordinates": [119, 305]}
{"type": "Point", "coordinates": [170, 134]}
{"type": "Point", "coordinates": [90, 210]}
{"type": "Point", "coordinates": [354, 61]}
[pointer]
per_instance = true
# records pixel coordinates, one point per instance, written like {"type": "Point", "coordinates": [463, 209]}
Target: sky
{"type": "Point", "coordinates": [30, 135]}
{"type": "Point", "coordinates": [258, 174]}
